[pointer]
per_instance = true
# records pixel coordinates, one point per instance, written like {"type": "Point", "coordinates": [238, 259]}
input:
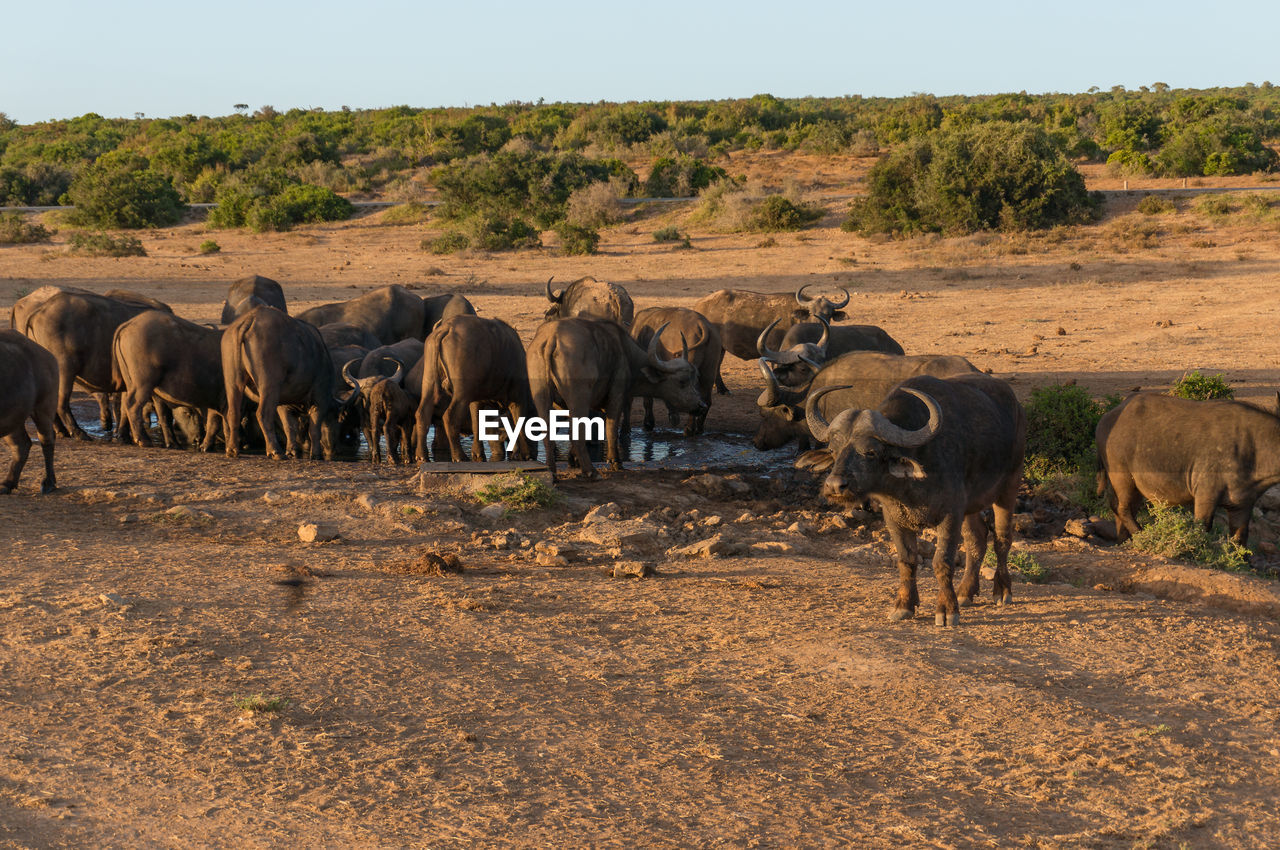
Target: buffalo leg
{"type": "Point", "coordinates": [44, 427]}
{"type": "Point", "coordinates": [164, 417]}
{"type": "Point", "coordinates": [231, 419]}
{"type": "Point", "coordinates": [904, 543]}
{"type": "Point", "coordinates": [944, 555]}
{"type": "Point", "coordinates": [1127, 500]}
{"type": "Point", "coordinates": [321, 446]}
{"type": "Point", "coordinates": [975, 549]}
{"type": "Point", "coordinates": [720, 387]}
{"type": "Point", "coordinates": [212, 425]}
{"type": "Point", "coordinates": [1205, 507]}
{"type": "Point", "coordinates": [19, 444]}
{"type": "Point", "coordinates": [131, 404]}
{"type": "Point", "coordinates": [1002, 589]}
{"type": "Point", "coordinates": [454, 420]}
{"type": "Point", "coordinates": [66, 381]}
{"type": "Point", "coordinates": [1238, 522]}
{"type": "Point", "coordinates": [105, 414]}
{"type": "Point", "coordinates": [265, 416]}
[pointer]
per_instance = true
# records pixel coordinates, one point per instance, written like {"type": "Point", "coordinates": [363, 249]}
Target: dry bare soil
{"type": "Point", "coordinates": [757, 697]}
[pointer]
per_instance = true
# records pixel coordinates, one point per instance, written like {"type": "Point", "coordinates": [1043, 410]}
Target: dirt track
{"type": "Point", "coordinates": [757, 698]}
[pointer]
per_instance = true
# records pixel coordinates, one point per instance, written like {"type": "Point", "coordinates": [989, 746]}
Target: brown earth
{"type": "Point", "coordinates": [758, 697]}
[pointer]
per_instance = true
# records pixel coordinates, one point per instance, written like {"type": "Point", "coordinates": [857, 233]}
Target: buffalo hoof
{"type": "Point", "coordinates": [948, 619]}
{"type": "Point", "coordinates": [46, 488]}
{"type": "Point", "coordinates": [898, 614]}
{"type": "Point", "coordinates": [1005, 599]}
{"type": "Point", "coordinates": [962, 601]}
{"type": "Point", "coordinates": [6, 489]}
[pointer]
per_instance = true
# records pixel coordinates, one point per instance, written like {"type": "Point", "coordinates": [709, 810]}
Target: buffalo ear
{"type": "Point", "coordinates": [816, 460]}
{"type": "Point", "coordinates": [790, 414]}
{"type": "Point", "coordinates": [839, 315]}
{"type": "Point", "coordinates": [907, 467]}
{"type": "Point", "coordinates": [801, 314]}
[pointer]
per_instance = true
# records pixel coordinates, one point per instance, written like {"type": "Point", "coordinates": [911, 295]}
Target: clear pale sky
{"type": "Point", "coordinates": [173, 58]}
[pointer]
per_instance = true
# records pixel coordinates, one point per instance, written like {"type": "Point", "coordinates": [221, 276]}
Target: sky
{"type": "Point", "coordinates": [176, 58]}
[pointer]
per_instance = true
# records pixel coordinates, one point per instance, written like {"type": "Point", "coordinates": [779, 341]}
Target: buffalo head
{"type": "Point", "coordinates": [818, 306]}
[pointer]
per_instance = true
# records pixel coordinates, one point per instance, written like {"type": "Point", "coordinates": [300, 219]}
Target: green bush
{"type": "Point", "coordinates": [962, 179]}
{"type": "Point", "coordinates": [681, 177]}
{"type": "Point", "coordinates": [517, 491]}
{"type": "Point", "coordinates": [449, 242]}
{"type": "Point", "coordinates": [776, 213]}
{"type": "Point", "coordinates": [272, 203]}
{"type": "Point", "coordinates": [1174, 533]}
{"type": "Point", "coordinates": [1214, 205]}
{"type": "Point", "coordinates": [407, 213]}
{"type": "Point", "coordinates": [1061, 421]}
{"type": "Point", "coordinates": [121, 190]}
{"type": "Point", "coordinates": [576, 239]}
{"type": "Point", "coordinates": [493, 232]}
{"type": "Point", "coordinates": [1155, 205]}
{"type": "Point", "coordinates": [1024, 562]}
{"type": "Point", "coordinates": [1197, 386]}
{"type": "Point", "coordinates": [38, 184]}
{"type": "Point", "coordinates": [667, 234]}
{"type": "Point", "coordinates": [208, 246]}
{"type": "Point", "coordinates": [16, 230]}
{"type": "Point", "coordinates": [516, 183]}
{"type": "Point", "coordinates": [105, 245]}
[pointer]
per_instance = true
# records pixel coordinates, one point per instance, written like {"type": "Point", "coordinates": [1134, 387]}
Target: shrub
{"type": "Point", "coordinates": [16, 230]}
{"type": "Point", "coordinates": [681, 177]}
{"type": "Point", "coordinates": [667, 234]}
{"type": "Point", "coordinates": [449, 242]}
{"type": "Point", "coordinates": [776, 213]}
{"type": "Point", "coordinates": [412, 212]}
{"type": "Point", "coordinates": [105, 245]}
{"type": "Point", "coordinates": [575, 239]}
{"type": "Point", "coordinates": [516, 183]}
{"type": "Point", "coordinates": [962, 179]}
{"type": "Point", "coordinates": [1024, 562]}
{"type": "Point", "coordinates": [517, 491]}
{"type": "Point", "coordinates": [277, 205]}
{"type": "Point", "coordinates": [1061, 421]}
{"type": "Point", "coordinates": [1214, 205]}
{"type": "Point", "coordinates": [1197, 386]}
{"type": "Point", "coordinates": [501, 233]}
{"type": "Point", "coordinates": [594, 206]}
{"type": "Point", "coordinates": [120, 190]}
{"type": "Point", "coordinates": [259, 703]}
{"type": "Point", "coordinates": [1155, 205]}
{"type": "Point", "coordinates": [208, 246]}
{"type": "Point", "coordinates": [38, 184]}
{"type": "Point", "coordinates": [1174, 533]}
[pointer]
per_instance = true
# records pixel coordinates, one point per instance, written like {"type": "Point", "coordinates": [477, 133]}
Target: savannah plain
{"type": "Point", "coordinates": [759, 697]}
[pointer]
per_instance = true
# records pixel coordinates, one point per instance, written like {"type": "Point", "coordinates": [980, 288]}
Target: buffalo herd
{"type": "Point", "coordinates": [931, 441]}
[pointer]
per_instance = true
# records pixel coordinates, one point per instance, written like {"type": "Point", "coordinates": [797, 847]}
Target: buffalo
{"type": "Point", "coordinates": [935, 453]}
{"type": "Point", "coordinates": [591, 299]}
{"type": "Point", "coordinates": [281, 363]}
{"type": "Point", "coordinates": [467, 362]}
{"type": "Point", "coordinates": [704, 352]}
{"type": "Point", "coordinates": [158, 355]}
{"type": "Point", "coordinates": [865, 377]}
{"type": "Point", "coordinates": [385, 408]}
{"type": "Point", "coordinates": [249, 292]}
{"type": "Point", "coordinates": [390, 313]}
{"type": "Point", "coordinates": [588, 365]}
{"type": "Point", "coordinates": [1202, 454]}
{"type": "Point", "coordinates": [808, 346]}
{"type": "Point", "coordinates": [439, 307]}
{"type": "Point", "coordinates": [28, 390]}
{"type": "Point", "coordinates": [77, 328]}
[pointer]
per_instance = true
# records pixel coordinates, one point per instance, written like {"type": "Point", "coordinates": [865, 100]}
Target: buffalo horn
{"type": "Point", "coordinates": [654, 360]}
{"type": "Point", "coordinates": [819, 427]}
{"type": "Point", "coordinates": [399, 370]}
{"type": "Point", "coordinates": [768, 398]}
{"type": "Point", "coordinates": [843, 303]}
{"type": "Point", "coordinates": [800, 299]}
{"type": "Point", "coordinates": [893, 435]}
{"type": "Point", "coordinates": [346, 375]}
{"type": "Point", "coordinates": [552, 297]}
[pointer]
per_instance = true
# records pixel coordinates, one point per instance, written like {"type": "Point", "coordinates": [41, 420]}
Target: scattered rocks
{"type": "Point", "coordinates": [367, 501]}
{"type": "Point", "coordinates": [317, 532]}
{"type": "Point", "coordinates": [602, 513]}
{"type": "Point", "coordinates": [433, 564]}
{"type": "Point", "coordinates": [631, 569]}
{"type": "Point", "coordinates": [1270, 500]}
{"type": "Point", "coordinates": [555, 549]}
{"type": "Point", "coordinates": [718, 486]}
{"type": "Point", "coordinates": [272, 498]}
{"type": "Point", "coordinates": [547, 559]}
{"type": "Point", "coordinates": [1062, 331]}
{"type": "Point", "coordinates": [712, 546]}
{"type": "Point", "coordinates": [746, 517]}
{"type": "Point", "coordinates": [802, 529]}
{"type": "Point", "coordinates": [772, 547]}
{"type": "Point", "coordinates": [1076, 528]}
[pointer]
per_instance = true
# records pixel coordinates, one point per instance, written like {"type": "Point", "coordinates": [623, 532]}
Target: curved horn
{"type": "Point", "coordinates": [552, 297]}
{"type": "Point", "coordinates": [843, 303]}
{"type": "Point", "coordinates": [894, 435]}
{"type": "Point", "coordinates": [813, 364]}
{"type": "Point", "coordinates": [684, 347]}
{"type": "Point", "coordinates": [399, 370]}
{"type": "Point", "coordinates": [762, 348]}
{"type": "Point", "coordinates": [346, 375]}
{"type": "Point", "coordinates": [768, 398]}
{"type": "Point", "coordinates": [800, 299]}
{"type": "Point", "coordinates": [826, 334]}
{"type": "Point", "coordinates": [819, 427]}
{"type": "Point", "coordinates": [654, 360]}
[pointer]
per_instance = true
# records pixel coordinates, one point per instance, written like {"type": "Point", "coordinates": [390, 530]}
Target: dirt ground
{"type": "Point", "coordinates": [757, 697]}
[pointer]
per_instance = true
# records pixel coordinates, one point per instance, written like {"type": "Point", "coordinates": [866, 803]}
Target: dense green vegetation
{"type": "Point", "coordinates": [247, 160]}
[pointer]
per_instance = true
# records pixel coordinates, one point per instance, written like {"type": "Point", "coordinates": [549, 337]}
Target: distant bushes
{"type": "Point", "coordinates": [775, 212]}
{"type": "Point", "coordinates": [37, 184]}
{"type": "Point", "coordinates": [575, 239]}
{"type": "Point", "coordinates": [681, 177]}
{"type": "Point", "coordinates": [270, 201]}
{"type": "Point", "coordinates": [984, 177]}
{"type": "Point", "coordinates": [1194, 385]}
{"type": "Point", "coordinates": [121, 190]}
{"type": "Point", "coordinates": [1155, 205]}
{"type": "Point", "coordinates": [105, 245]}
{"type": "Point", "coordinates": [16, 230]}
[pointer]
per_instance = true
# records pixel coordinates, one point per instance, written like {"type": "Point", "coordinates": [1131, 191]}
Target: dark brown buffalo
{"type": "Point", "coordinates": [385, 359]}
{"type": "Point", "coordinates": [390, 313]}
{"type": "Point", "coordinates": [77, 329]}
{"type": "Point", "coordinates": [346, 335]}
{"type": "Point", "coordinates": [867, 377]}
{"type": "Point", "coordinates": [591, 299]}
{"type": "Point", "coordinates": [591, 365]}
{"type": "Point", "coordinates": [468, 362]}
{"type": "Point", "coordinates": [808, 346]}
{"type": "Point", "coordinates": [705, 353]}
{"type": "Point", "coordinates": [935, 453]}
{"type": "Point", "coordinates": [386, 410]}
{"type": "Point", "coordinates": [438, 307]}
{"type": "Point", "coordinates": [282, 364]}
{"type": "Point", "coordinates": [158, 355]}
{"type": "Point", "coordinates": [249, 292]}
{"type": "Point", "coordinates": [28, 390]}
{"type": "Point", "coordinates": [1201, 454]}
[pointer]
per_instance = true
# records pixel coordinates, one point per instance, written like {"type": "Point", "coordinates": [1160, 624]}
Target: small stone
{"type": "Point", "coordinates": [495, 511]}
{"type": "Point", "coordinates": [546, 559]}
{"type": "Point", "coordinates": [800, 528]}
{"type": "Point", "coordinates": [312, 532]}
{"type": "Point", "coordinates": [631, 569]}
{"type": "Point", "coordinates": [600, 513]}
{"type": "Point", "coordinates": [114, 599]}
{"type": "Point", "coordinates": [746, 516]}
{"type": "Point", "coordinates": [367, 501]}
{"type": "Point", "coordinates": [500, 541]}
{"type": "Point", "coordinates": [1076, 528]}
{"type": "Point", "coordinates": [710, 522]}
{"type": "Point", "coordinates": [180, 512]}
{"type": "Point", "coordinates": [127, 518]}
{"type": "Point", "coordinates": [772, 547]}
{"type": "Point", "coordinates": [272, 498]}
{"type": "Point", "coordinates": [1062, 331]}
{"type": "Point", "coordinates": [555, 549]}
{"type": "Point", "coordinates": [710, 547]}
